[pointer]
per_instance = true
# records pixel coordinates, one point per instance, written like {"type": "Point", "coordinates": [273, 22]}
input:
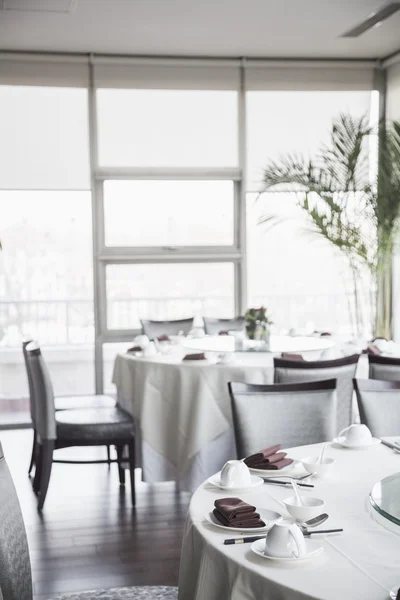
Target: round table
{"type": "Point", "coordinates": [278, 344]}
{"type": "Point", "coordinates": [362, 563]}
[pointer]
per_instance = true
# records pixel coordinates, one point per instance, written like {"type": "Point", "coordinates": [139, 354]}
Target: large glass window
{"type": "Point", "coordinates": [169, 213]}
{"type": "Point", "coordinates": [168, 291]}
{"type": "Point", "coordinates": [167, 128]}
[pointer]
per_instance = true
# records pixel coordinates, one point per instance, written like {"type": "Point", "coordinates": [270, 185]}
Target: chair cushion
{"type": "Point", "coordinates": [131, 593]}
{"type": "Point", "coordinates": [94, 424]}
{"type": "Point", "coordinates": [91, 401]}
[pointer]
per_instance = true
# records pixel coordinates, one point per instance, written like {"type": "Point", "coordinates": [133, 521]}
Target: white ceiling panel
{"type": "Point", "coordinates": [253, 28]}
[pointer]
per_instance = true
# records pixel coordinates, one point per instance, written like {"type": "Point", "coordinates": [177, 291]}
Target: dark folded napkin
{"type": "Point", "coordinates": [291, 356]}
{"type": "Point", "coordinates": [199, 356]}
{"type": "Point", "coordinates": [163, 338]}
{"type": "Point", "coordinates": [264, 462]}
{"type": "Point", "coordinates": [223, 332]}
{"type": "Point", "coordinates": [135, 349]}
{"type": "Point", "coordinates": [233, 512]}
{"type": "Point", "coordinates": [372, 349]}
{"type": "Point", "coordinates": [262, 454]}
{"type": "Point", "coordinates": [275, 466]}
{"type": "Point", "coordinates": [269, 458]}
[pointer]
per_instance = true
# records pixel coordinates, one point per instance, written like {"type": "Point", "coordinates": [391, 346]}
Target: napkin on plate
{"type": "Point", "coordinates": [223, 332]}
{"type": "Point", "coordinates": [198, 356]}
{"type": "Point", "coordinates": [268, 459]}
{"type": "Point", "coordinates": [163, 338]}
{"type": "Point", "coordinates": [292, 356]}
{"type": "Point", "coordinates": [135, 349]}
{"type": "Point", "coordinates": [233, 512]}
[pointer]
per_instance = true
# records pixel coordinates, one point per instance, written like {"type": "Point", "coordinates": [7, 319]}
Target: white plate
{"type": "Point", "coordinates": [289, 469]}
{"type": "Point", "coordinates": [313, 549]}
{"type": "Point", "coordinates": [341, 441]}
{"type": "Point", "coordinates": [393, 592]}
{"type": "Point", "coordinates": [215, 481]}
{"type": "Point", "coordinates": [270, 517]}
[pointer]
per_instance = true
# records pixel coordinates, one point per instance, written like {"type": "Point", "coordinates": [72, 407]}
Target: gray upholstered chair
{"type": "Point", "coordinates": [154, 329]}
{"type": "Point", "coordinates": [384, 367]}
{"type": "Point", "coordinates": [15, 568]}
{"type": "Point", "coordinates": [379, 405]}
{"type": "Point", "coordinates": [215, 326]}
{"type": "Point", "coordinates": [293, 414]}
{"type": "Point", "coordinates": [66, 428]}
{"type": "Point", "coordinates": [63, 403]}
{"type": "Point", "coordinates": [341, 369]}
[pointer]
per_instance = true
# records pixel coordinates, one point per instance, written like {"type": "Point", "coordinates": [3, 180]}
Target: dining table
{"type": "Point", "coordinates": [182, 408]}
{"type": "Point", "coordinates": [360, 563]}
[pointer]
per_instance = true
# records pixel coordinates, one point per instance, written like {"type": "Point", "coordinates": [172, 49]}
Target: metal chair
{"type": "Point", "coordinates": [63, 403]}
{"type": "Point", "coordinates": [384, 367]}
{"type": "Point", "coordinates": [67, 428]}
{"type": "Point", "coordinates": [214, 326]}
{"type": "Point", "coordinates": [341, 369]}
{"type": "Point", "coordinates": [154, 329]}
{"type": "Point", "coordinates": [15, 567]}
{"type": "Point", "coordinates": [379, 405]}
{"type": "Point", "coordinates": [293, 414]}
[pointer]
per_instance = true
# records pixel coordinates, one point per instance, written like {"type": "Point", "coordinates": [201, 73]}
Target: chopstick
{"type": "Point", "coordinates": [254, 538]}
{"type": "Point", "coordinates": [390, 445]}
{"type": "Point", "coordinates": [278, 482]}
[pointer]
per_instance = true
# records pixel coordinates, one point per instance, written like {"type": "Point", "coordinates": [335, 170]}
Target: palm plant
{"type": "Point", "coordinates": [357, 212]}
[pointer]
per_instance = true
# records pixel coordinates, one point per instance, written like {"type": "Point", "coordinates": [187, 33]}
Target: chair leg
{"type": "Point", "coordinates": [131, 448]}
{"type": "Point", "coordinates": [108, 454]}
{"type": "Point", "coordinates": [47, 462]}
{"type": "Point", "coordinates": [121, 470]}
{"type": "Point", "coordinates": [38, 467]}
{"type": "Point", "coordinates": [32, 463]}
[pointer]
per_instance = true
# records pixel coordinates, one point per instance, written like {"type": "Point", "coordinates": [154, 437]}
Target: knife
{"type": "Point", "coordinates": [279, 482]}
{"type": "Point", "coordinates": [254, 538]}
{"type": "Point", "coordinates": [390, 445]}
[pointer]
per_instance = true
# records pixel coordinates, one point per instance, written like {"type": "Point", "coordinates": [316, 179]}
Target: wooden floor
{"type": "Point", "coordinates": [89, 536]}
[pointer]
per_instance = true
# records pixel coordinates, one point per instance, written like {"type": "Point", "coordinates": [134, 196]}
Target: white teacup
{"type": "Point", "coordinates": [141, 340]}
{"type": "Point", "coordinates": [285, 540]}
{"type": "Point", "coordinates": [235, 474]}
{"type": "Point", "coordinates": [150, 349]}
{"type": "Point", "coordinates": [356, 435]}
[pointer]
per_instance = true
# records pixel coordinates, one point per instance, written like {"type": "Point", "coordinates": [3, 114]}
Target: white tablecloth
{"type": "Point", "coordinates": [183, 411]}
{"type": "Point", "coordinates": [362, 563]}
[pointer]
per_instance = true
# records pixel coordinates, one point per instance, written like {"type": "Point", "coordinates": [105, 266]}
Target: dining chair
{"type": "Point", "coordinates": [215, 326]}
{"type": "Point", "coordinates": [384, 367]}
{"type": "Point", "coordinates": [379, 405]}
{"type": "Point", "coordinates": [341, 369]}
{"type": "Point", "coordinates": [154, 329]}
{"type": "Point", "coordinates": [15, 567]}
{"type": "Point", "coordinates": [67, 428]}
{"type": "Point", "coordinates": [290, 414]}
{"type": "Point", "coordinates": [63, 403]}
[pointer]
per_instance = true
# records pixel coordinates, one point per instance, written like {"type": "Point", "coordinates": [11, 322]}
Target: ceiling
{"type": "Point", "coordinates": [225, 28]}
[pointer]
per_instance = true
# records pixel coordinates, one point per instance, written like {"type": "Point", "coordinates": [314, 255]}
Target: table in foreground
{"type": "Point", "coordinates": [362, 563]}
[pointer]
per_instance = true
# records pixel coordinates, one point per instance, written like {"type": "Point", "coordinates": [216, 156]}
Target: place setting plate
{"type": "Point", "coordinates": [313, 549]}
{"type": "Point", "coordinates": [270, 517]}
{"type": "Point", "coordinates": [341, 441]}
{"type": "Point", "coordinates": [215, 481]}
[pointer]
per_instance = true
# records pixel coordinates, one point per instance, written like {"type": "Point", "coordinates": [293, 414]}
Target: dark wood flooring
{"type": "Point", "coordinates": [89, 536]}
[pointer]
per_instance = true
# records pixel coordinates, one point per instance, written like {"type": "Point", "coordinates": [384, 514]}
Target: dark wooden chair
{"type": "Point", "coordinates": [67, 428]}
{"type": "Point", "coordinates": [215, 326]}
{"type": "Point", "coordinates": [341, 369]}
{"type": "Point", "coordinates": [15, 567]}
{"type": "Point", "coordinates": [379, 405]}
{"type": "Point", "coordinates": [384, 367]}
{"type": "Point", "coordinates": [63, 403]}
{"type": "Point", "coordinates": [155, 329]}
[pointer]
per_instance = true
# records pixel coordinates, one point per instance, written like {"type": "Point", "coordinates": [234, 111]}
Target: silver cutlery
{"type": "Point", "coordinates": [315, 521]}
{"type": "Point", "coordinates": [254, 538]}
{"type": "Point", "coordinates": [285, 483]}
{"type": "Point", "coordinates": [394, 447]}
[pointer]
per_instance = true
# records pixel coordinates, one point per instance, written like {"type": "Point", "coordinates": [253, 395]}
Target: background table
{"type": "Point", "coordinates": [362, 563]}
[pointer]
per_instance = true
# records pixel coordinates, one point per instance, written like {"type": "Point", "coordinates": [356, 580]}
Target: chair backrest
{"type": "Point", "coordinates": [214, 326]}
{"type": "Point", "coordinates": [341, 369]}
{"type": "Point", "coordinates": [30, 383]}
{"type": "Point", "coordinates": [45, 420]}
{"type": "Point", "coordinates": [15, 568]}
{"type": "Point", "coordinates": [155, 329]}
{"type": "Point", "coordinates": [286, 414]}
{"type": "Point", "coordinates": [384, 367]}
{"type": "Point", "coordinates": [379, 405]}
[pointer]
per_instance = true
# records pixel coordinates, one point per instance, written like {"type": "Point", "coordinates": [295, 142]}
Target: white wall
{"type": "Point", "coordinates": [393, 113]}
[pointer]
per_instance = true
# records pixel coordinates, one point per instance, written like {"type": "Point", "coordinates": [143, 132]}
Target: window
{"type": "Point", "coordinates": [167, 128]}
{"type": "Point", "coordinates": [169, 213]}
{"type": "Point", "coordinates": [168, 291]}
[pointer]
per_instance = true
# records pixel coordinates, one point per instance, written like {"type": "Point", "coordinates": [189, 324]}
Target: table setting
{"type": "Point", "coordinates": [308, 529]}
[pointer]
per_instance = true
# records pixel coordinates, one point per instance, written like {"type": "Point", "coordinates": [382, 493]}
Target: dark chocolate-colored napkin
{"type": "Point", "coordinates": [223, 332]}
{"type": "Point", "coordinates": [291, 356]}
{"type": "Point", "coordinates": [268, 459]}
{"type": "Point", "coordinates": [163, 338]}
{"type": "Point", "coordinates": [198, 356]}
{"type": "Point", "coordinates": [233, 512]}
{"type": "Point", "coordinates": [135, 349]}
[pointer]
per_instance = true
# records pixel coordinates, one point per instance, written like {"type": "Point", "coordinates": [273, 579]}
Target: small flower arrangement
{"type": "Point", "coordinates": [257, 323]}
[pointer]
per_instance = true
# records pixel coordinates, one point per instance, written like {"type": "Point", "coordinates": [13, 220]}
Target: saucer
{"type": "Point", "coordinates": [215, 481]}
{"type": "Point", "coordinates": [270, 517]}
{"type": "Point", "coordinates": [313, 549]}
{"type": "Point", "coordinates": [286, 471]}
{"type": "Point", "coordinates": [393, 592]}
{"type": "Point", "coordinates": [342, 442]}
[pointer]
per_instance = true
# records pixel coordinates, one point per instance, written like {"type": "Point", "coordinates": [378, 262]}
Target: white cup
{"type": "Point", "coordinates": [235, 473]}
{"type": "Point", "coordinates": [141, 340]}
{"type": "Point", "coordinates": [285, 540]}
{"type": "Point", "coordinates": [150, 349]}
{"type": "Point", "coordinates": [356, 435]}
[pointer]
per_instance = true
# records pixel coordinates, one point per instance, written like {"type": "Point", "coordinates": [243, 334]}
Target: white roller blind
{"type": "Point", "coordinates": [170, 75]}
{"type": "Point", "coordinates": [309, 78]}
{"type": "Point", "coordinates": [393, 92]}
{"type": "Point", "coordinates": [41, 71]}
